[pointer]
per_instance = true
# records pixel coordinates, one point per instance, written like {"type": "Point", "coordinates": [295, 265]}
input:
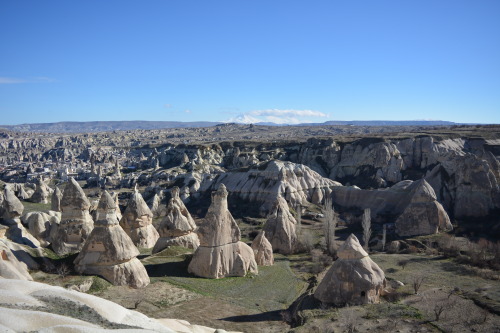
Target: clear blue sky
{"type": "Point", "coordinates": [280, 60]}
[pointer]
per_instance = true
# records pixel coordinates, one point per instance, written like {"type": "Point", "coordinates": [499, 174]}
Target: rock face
{"type": "Point", "coordinates": [177, 227]}
{"type": "Point", "coordinates": [39, 225]}
{"type": "Point", "coordinates": [11, 205]}
{"type": "Point", "coordinates": [10, 267]}
{"type": "Point", "coordinates": [423, 215]}
{"type": "Point", "coordinates": [42, 192]}
{"type": "Point", "coordinates": [221, 253]}
{"type": "Point", "coordinates": [55, 203]}
{"type": "Point", "coordinates": [353, 279]}
{"type": "Point", "coordinates": [109, 251]}
{"type": "Point", "coordinates": [263, 250]}
{"type": "Point", "coordinates": [137, 221]}
{"type": "Point", "coordinates": [280, 228]}
{"type": "Point", "coordinates": [76, 222]}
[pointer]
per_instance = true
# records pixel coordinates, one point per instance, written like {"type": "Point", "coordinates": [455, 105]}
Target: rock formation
{"type": "Point", "coordinates": [11, 205]}
{"type": "Point", "coordinates": [10, 266]}
{"type": "Point", "coordinates": [76, 222]}
{"type": "Point", "coordinates": [55, 203]}
{"type": "Point", "coordinates": [137, 221]}
{"type": "Point", "coordinates": [280, 228]}
{"type": "Point", "coordinates": [423, 215]}
{"type": "Point", "coordinates": [263, 250]}
{"type": "Point", "coordinates": [109, 251]}
{"type": "Point", "coordinates": [221, 253]}
{"type": "Point", "coordinates": [353, 279]}
{"type": "Point", "coordinates": [42, 192]}
{"type": "Point", "coordinates": [177, 227]}
{"type": "Point", "coordinates": [39, 225]}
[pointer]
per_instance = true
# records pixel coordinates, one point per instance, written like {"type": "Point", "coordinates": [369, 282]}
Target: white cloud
{"type": "Point", "coordinates": [187, 111]}
{"type": "Point", "coordinates": [277, 116]}
{"type": "Point", "coordinates": [15, 80]}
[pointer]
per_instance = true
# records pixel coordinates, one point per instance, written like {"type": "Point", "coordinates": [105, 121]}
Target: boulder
{"type": "Point", "coordinates": [353, 279]}
{"type": "Point", "coordinates": [76, 223]}
{"type": "Point", "coordinates": [137, 221]}
{"type": "Point", "coordinates": [109, 251]}
{"type": "Point", "coordinates": [177, 227]}
{"type": "Point", "coordinates": [263, 250]}
{"type": "Point", "coordinates": [221, 253]}
{"type": "Point", "coordinates": [280, 228]}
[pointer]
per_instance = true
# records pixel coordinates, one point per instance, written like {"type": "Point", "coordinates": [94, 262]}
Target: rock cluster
{"type": "Point", "coordinates": [177, 227]}
{"type": "Point", "coordinates": [353, 279]}
{"type": "Point", "coordinates": [221, 253]}
{"type": "Point", "coordinates": [109, 251]}
{"type": "Point", "coordinates": [263, 250]}
{"type": "Point", "coordinates": [42, 192]}
{"type": "Point", "coordinates": [137, 221]}
{"type": "Point", "coordinates": [76, 222]}
{"type": "Point", "coordinates": [280, 228]}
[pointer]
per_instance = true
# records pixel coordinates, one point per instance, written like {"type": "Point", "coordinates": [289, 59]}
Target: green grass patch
{"type": "Point", "coordinates": [35, 207]}
{"type": "Point", "coordinates": [391, 310]}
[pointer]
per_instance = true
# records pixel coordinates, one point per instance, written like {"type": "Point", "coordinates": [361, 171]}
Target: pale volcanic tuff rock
{"type": "Point", "coordinates": [76, 222]}
{"type": "Point", "coordinates": [27, 306]}
{"type": "Point", "coordinates": [39, 225]}
{"type": "Point", "coordinates": [353, 279]}
{"type": "Point", "coordinates": [221, 253]}
{"type": "Point", "coordinates": [280, 228]}
{"type": "Point", "coordinates": [296, 183]}
{"type": "Point", "coordinates": [42, 192]}
{"type": "Point", "coordinates": [55, 203]}
{"type": "Point", "coordinates": [109, 251]}
{"type": "Point", "coordinates": [424, 215]}
{"type": "Point", "coordinates": [137, 221]}
{"type": "Point", "coordinates": [263, 250]}
{"type": "Point", "coordinates": [10, 266]}
{"type": "Point", "coordinates": [12, 207]}
{"type": "Point", "coordinates": [177, 227]}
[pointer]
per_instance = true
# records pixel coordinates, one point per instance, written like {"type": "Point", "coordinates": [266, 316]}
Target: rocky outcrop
{"type": "Point", "coordinates": [109, 251]}
{"type": "Point", "coordinates": [76, 223]}
{"type": "Point", "coordinates": [137, 221]}
{"type": "Point", "coordinates": [280, 228]}
{"type": "Point", "coordinates": [39, 225]}
{"type": "Point", "coordinates": [353, 279]}
{"type": "Point", "coordinates": [11, 206]}
{"type": "Point", "coordinates": [42, 192]}
{"type": "Point", "coordinates": [10, 266]}
{"type": "Point", "coordinates": [55, 203]}
{"type": "Point", "coordinates": [177, 227]}
{"type": "Point", "coordinates": [263, 250]}
{"type": "Point", "coordinates": [221, 253]}
{"type": "Point", "coordinates": [424, 215]}
{"type": "Point", "coordinates": [27, 306]}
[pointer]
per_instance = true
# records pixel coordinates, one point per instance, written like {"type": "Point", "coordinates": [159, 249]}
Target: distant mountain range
{"type": "Point", "coordinates": [106, 126]}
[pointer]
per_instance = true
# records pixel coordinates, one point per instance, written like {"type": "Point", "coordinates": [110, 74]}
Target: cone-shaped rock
{"type": "Point", "coordinates": [55, 204]}
{"type": "Point", "coordinates": [76, 222]}
{"type": "Point", "coordinates": [353, 278]}
{"type": "Point", "coordinates": [137, 221]}
{"type": "Point", "coordinates": [280, 228]}
{"type": "Point", "coordinates": [221, 253]}
{"type": "Point", "coordinates": [109, 251]}
{"type": "Point", "coordinates": [424, 215]}
{"type": "Point", "coordinates": [12, 206]}
{"type": "Point", "coordinates": [263, 250]}
{"type": "Point", "coordinates": [41, 194]}
{"type": "Point", "coordinates": [177, 227]}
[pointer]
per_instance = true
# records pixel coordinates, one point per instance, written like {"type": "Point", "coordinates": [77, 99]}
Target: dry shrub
{"type": "Point", "coordinates": [320, 261]}
{"type": "Point", "coordinates": [305, 241]}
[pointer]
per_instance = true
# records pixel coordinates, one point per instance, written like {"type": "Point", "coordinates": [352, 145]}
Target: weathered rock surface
{"type": "Point", "coordinates": [280, 228]}
{"type": "Point", "coordinates": [137, 221]}
{"type": "Point", "coordinates": [221, 253]}
{"type": "Point", "coordinates": [11, 205]}
{"type": "Point", "coordinates": [10, 266]}
{"type": "Point", "coordinates": [353, 279]}
{"type": "Point", "coordinates": [55, 203]}
{"type": "Point", "coordinates": [109, 251]}
{"type": "Point", "coordinates": [39, 225]}
{"type": "Point", "coordinates": [423, 215]}
{"type": "Point", "coordinates": [27, 306]}
{"type": "Point", "coordinates": [42, 192]}
{"type": "Point", "coordinates": [263, 250]}
{"type": "Point", "coordinates": [76, 223]}
{"type": "Point", "coordinates": [177, 227]}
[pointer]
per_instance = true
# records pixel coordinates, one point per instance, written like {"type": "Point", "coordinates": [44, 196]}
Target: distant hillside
{"type": "Point", "coordinates": [103, 126]}
{"type": "Point", "coordinates": [106, 126]}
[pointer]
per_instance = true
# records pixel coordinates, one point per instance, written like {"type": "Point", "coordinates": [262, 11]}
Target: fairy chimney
{"type": "Point", "coordinates": [263, 250]}
{"type": "Point", "coordinates": [109, 251]}
{"type": "Point", "coordinates": [55, 204]}
{"type": "Point", "coordinates": [177, 227]}
{"type": "Point", "coordinates": [280, 228]}
{"type": "Point", "coordinates": [221, 253]}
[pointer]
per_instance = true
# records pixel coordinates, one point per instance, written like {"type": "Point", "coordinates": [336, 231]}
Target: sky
{"type": "Point", "coordinates": [282, 61]}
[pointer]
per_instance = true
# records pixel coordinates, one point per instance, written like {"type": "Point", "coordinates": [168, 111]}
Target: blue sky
{"type": "Point", "coordinates": [274, 60]}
